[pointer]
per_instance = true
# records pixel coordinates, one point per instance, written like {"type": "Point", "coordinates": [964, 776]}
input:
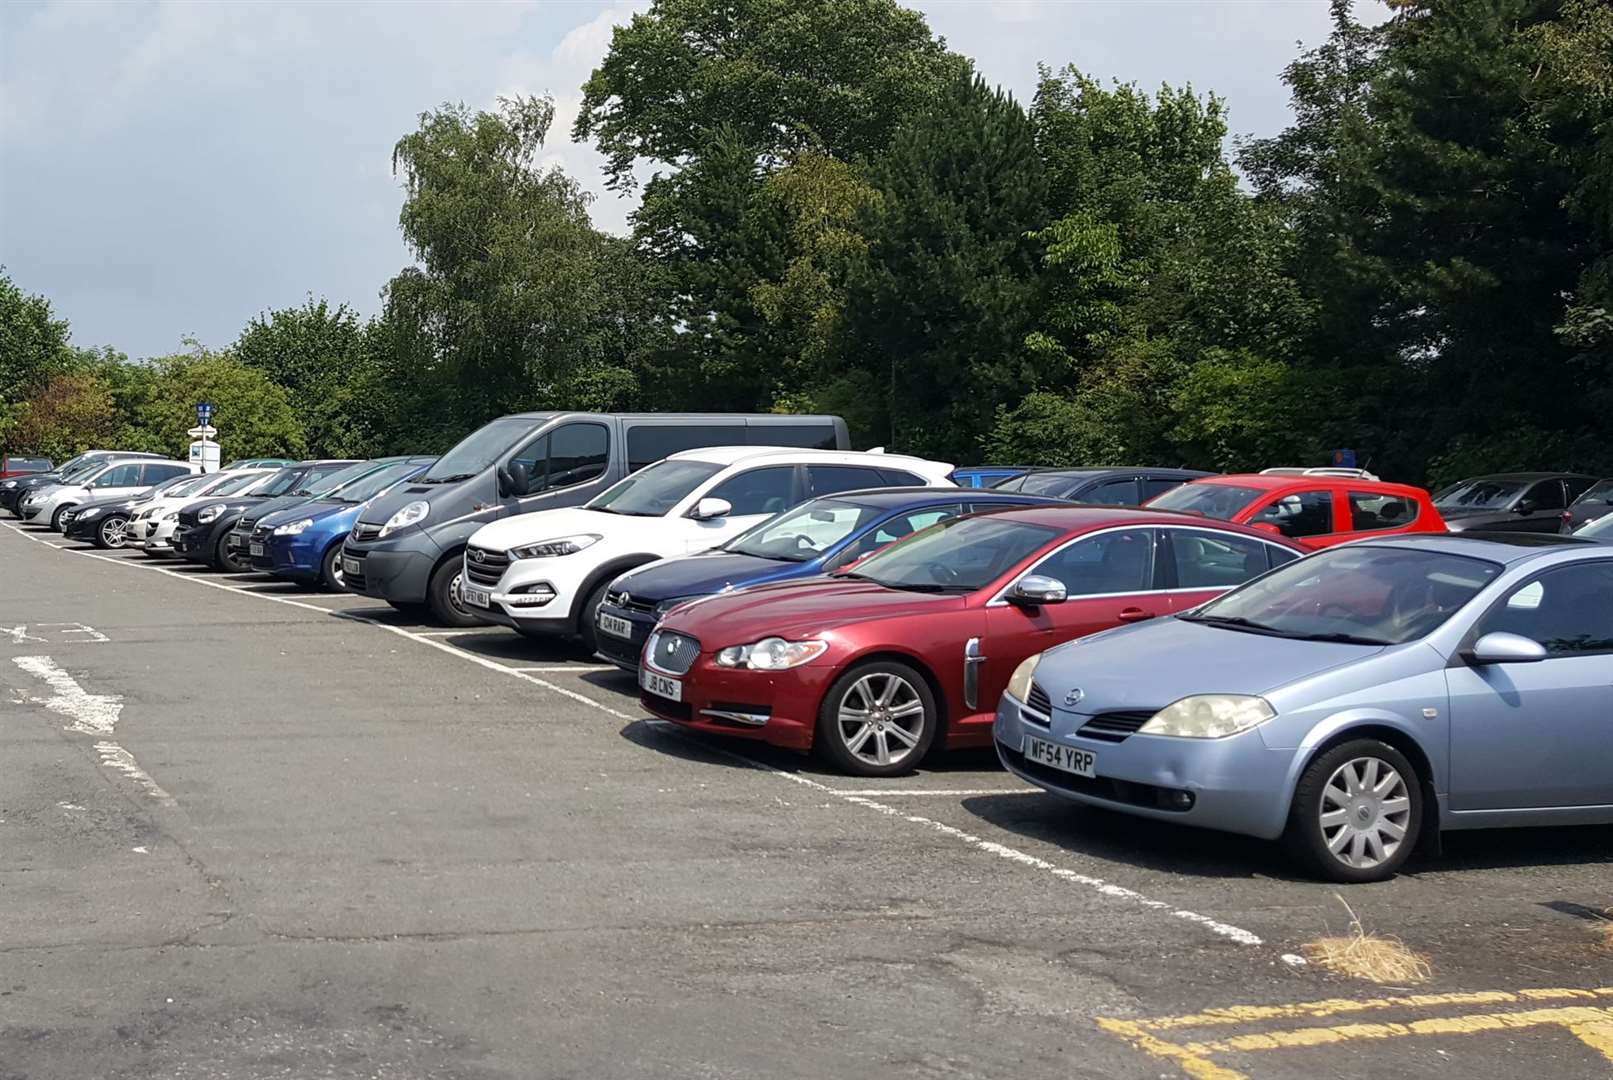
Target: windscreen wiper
{"type": "Point", "coordinates": [1236, 622]}
{"type": "Point", "coordinates": [448, 479]}
{"type": "Point", "coordinates": [1342, 639]}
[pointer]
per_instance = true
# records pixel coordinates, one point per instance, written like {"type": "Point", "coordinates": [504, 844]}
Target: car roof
{"type": "Point", "coordinates": [894, 498]}
{"type": "Point", "coordinates": [323, 461]}
{"type": "Point", "coordinates": [731, 455]}
{"type": "Point", "coordinates": [1078, 518]}
{"type": "Point", "coordinates": [1524, 476]}
{"type": "Point", "coordinates": [1502, 547]}
{"type": "Point", "coordinates": [1281, 481]}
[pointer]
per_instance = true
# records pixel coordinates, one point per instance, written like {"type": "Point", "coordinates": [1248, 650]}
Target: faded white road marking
{"type": "Point", "coordinates": [951, 793]}
{"type": "Point", "coordinates": [1104, 888]}
{"type": "Point", "coordinates": [62, 633]}
{"type": "Point", "coordinates": [88, 634]}
{"type": "Point", "coordinates": [116, 757]}
{"type": "Point", "coordinates": [19, 635]}
{"type": "Point", "coordinates": [92, 714]}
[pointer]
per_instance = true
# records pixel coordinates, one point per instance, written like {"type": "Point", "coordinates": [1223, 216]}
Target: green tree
{"type": "Point", "coordinates": [33, 346]}
{"type": "Point", "coordinates": [158, 405]}
{"type": "Point", "coordinates": [68, 413]}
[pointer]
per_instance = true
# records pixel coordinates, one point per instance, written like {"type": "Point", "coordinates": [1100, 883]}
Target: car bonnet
{"type": "Point", "coordinates": [701, 575]}
{"type": "Point", "coordinates": [802, 609]}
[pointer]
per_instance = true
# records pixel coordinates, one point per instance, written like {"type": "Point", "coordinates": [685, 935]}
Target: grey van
{"type": "Point", "coordinates": [406, 547]}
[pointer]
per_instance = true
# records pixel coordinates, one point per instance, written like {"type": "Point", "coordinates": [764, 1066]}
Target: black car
{"type": "Point", "coordinates": [1120, 485]}
{"type": "Point", "coordinates": [205, 526]}
{"type": "Point", "coordinates": [1597, 501]}
{"type": "Point", "coordinates": [1511, 502]}
{"type": "Point", "coordinates": [103, 522]}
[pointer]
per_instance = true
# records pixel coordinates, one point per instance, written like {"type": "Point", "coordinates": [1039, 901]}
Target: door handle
{"type": "Point", "coordinates": [1134, 614]}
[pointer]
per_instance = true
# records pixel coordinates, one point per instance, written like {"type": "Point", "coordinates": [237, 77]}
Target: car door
{"type": "Point", "coordinates": [566, 465]}
{"type": "Point", "coordinates": [1537, 734]}
{"type": "Point", "coordinates": [118, 480]}
{"type": "Point", "coordinates": [1307, 515]}
{"type": "Point", "coordinates": [1540, 509]}
{"type": "Point", "coordinates": [753, 495]}
{"type": "Point", "coordinates": [1109, 579]}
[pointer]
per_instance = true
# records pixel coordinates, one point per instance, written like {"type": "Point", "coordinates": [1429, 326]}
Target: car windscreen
{"type": "Point", "coordinates": [1479, 495]}
{"type": "Point", "coordinates": [192, 484]}
{"type": "Point", "coordinates": [1222, 501]}
{"type": "Point", "coordinates": [280, 482]}
{"type": "Point", "coordinates": [372, 484]}
{"type": "Point", "coordinates": [805, 532]}
{"type": "Point", "coordinates": [234, 484]}
{"type": "Point", "coordinates": [957, 555]}
{"type": "Point", "coordinates": [324, 478]}
{"type": "Point", "coordinates": [1359, 594]}
{"type": "Point", "coordinates": [83, 469]}
{"type": "Point", "coordinates": [478, 450]}
{"type": "Point", "coordinates": [1600, 493]}
{"type": "Point", "coordinates": [652, 491]}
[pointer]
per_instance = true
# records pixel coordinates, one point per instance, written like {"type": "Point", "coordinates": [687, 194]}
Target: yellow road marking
{"type": "Point", "coordinates": [1591, 1024]}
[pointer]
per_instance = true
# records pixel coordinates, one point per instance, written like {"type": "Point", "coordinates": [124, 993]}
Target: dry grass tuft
{"type": "Point", "coordinates": [1377, 959]}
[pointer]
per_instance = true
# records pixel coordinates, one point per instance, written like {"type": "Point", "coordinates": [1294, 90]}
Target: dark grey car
{"type": "Point", "coordinates": [1511, 502]}
{"type": "Point", "coordinates": [1113, 485]}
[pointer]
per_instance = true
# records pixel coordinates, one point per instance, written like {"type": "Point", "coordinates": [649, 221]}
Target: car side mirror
{"type": "Point", "coordinates": [1034, 590]}
{"type": "Point", "coordinates": [520, 479]}
{"type": "Point", "coordinates": [1266, 526]}
{"type": "Point", "coordinates": [1503, 648]}
{"type": "Point", "coordinates": [707, 509]}
{"type": "Point", "coordinates": [1525, 506]}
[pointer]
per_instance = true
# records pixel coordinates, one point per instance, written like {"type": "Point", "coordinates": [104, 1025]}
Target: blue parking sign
{"type": "Point", "coordinates": [1344, 459]}
{"type": "Point", "coordinates": [204, 412]}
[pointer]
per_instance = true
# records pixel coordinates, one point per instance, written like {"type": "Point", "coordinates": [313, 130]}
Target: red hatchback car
{"type": "Point", "coordinates": [913, 645]}
{"type": "Point", "coordinates": [1315, 507]}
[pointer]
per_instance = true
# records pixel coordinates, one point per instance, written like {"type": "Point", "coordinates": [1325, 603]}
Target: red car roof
{"type": "Point", "coordinates": [1280, 481]}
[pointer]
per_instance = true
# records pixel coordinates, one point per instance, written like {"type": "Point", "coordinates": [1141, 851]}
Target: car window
{"type": "Point", "coordinates": [649, 443]}
{"type": "Point", "coordinates": [1306, 513]}
{"type": "Point", "coordinates": [1111, 562]}
{"type": "Point", "coordinates": [789, 433]}
{"type": "Point", "coordinates": [829, 479]}
{"type": "Point", "coordinates": [154, 473]}
{"type": "Point", "coordinates": [577, 454]}
{"type": "Point", "coordinates": [1600, 492]}
{"type": "Point", "coordinates": [235, 484]}
{"type": "Point", "coordinates": [478, 450]}
{"type": "Point", "coordinates": [1577, 485]}
{"type": "Point", "coordinates": [768, 490]}
{"type": "Point", "coordinates": [1111, 493]}
{"type": "Point", "coordinates": [1154, 487]}
{"type": "Point", "coordinates": [898, 478]}
{"type": "Point", "coordinates": [653, 491]}
{"type": "Point", "coordinates": [1206, 560]}
{"type": "Point", "coordinates": [1546, 495]}
{"type": "Point", "coordinates": [898, 527]}
{"type": "Point", "coordinates": [1569, 610]}
{"type": "Point", "coordinates": [280, 482]}
{"type": "Point", "coordinates": [118, 476]}
{"type": "Point", "coordinates": [1224, 501]}
{"type": "Point", "coordinates": [1480, 494]}
{"type": "Point", "coordinates": [1370, 511]}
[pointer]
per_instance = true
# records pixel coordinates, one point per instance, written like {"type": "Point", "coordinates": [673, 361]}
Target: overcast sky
{"type": "Point", "coordinates": [174, 168]}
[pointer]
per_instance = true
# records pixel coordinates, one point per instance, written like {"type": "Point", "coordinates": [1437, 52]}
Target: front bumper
{"type": "Point", "coordinates": [152, 534]}
{"type": "Point", "coordinates": [624, 652]}
{"type": "Point", "coordinates": [295, 557]}
{"type": "Point", "coordinates": [30, 510]}
{"type": "Point", "coordinates": [779, 708]}
{"type": "Point", "coordinates": [397, 570]}
{"type": "Point", "coordinates": [1237, 784]}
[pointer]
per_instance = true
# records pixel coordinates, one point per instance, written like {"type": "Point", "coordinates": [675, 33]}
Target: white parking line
{"type": "Point", "coordinates": [572, 667]}
{"type": "Point", "coordinates": [951, 793]}
{"type": "Point", "coordinates": [1104, 888]}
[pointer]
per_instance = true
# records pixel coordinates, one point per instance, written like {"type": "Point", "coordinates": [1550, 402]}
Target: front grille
{"type": "Point", "coordinates": [618, 650]}
{"type": "Point", "coordinates": [1037, 699]}
{"type": "Point", "coordinates": [673, 652]}
{"type": "Point", "coordinates": [247, 524]}
{"type": "Point", "coordinates": [365, 531]}
{"type": "Point", "coordinates": [485, 567]}
{"type": "Point", "coordinates": [1115, 726]}
{"type": "Point", "coordinates": [628, 602]}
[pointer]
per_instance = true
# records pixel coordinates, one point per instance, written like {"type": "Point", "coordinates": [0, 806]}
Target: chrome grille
{"type": "Point", "coordinates": [1115, 726]}
{"type": "Point", "coordinates": [628, 602]}
{"type": "Point", "coordinates": [672, 652]}
{"type": "Point", "coordinates": [485, 567]}
{"type": "Point", "coordinates": [365, 531]}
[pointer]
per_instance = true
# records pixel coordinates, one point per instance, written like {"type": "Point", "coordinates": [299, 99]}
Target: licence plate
{"type": "Point", "coordinates": [255, 548]}
{"type": "Point", "coordinates": [477, 597]}
{"type": "Point", "coordinates": [615, 626]}
{"type": "Point", "coordinates": [1068, 759]}
{"type": "Point", "coordinates": [351, 566]}
{"type": "Point", "coordinates": [660, 685]}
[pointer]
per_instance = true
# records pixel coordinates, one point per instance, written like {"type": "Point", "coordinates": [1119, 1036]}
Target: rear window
{"type": "Point", "coordinates": [1222, 501]}
{"type": "Point", "coordinates": [812, 436]}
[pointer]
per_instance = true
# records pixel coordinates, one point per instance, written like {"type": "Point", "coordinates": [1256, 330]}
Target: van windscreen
{"type": "Point", "coordinates": [477, 450]}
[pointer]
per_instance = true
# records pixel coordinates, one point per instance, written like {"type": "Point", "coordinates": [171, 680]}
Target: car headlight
{"type": "Point", "coordinates": [771, 654]}
{"type": "Point", "coordinates": [293, 528]}
{"type": "Point", "coordinates": [172, 516]}
{"type": "Point", "coordinates": [550, 549]}
{"type": "Point", "coordinates": [9, 484]}
{"type": "Point", "coordinates": [1209, 716]}
{"type": "Point", "coordinates": [412, 514]}
{"type": "Point", "coordinates": [1019, 683]}
{"type": "Point", "coordinates": [208, 513]}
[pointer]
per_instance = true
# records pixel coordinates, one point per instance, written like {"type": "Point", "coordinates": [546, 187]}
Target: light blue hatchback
{"type": "Point", "coordinates": [1352, 703]}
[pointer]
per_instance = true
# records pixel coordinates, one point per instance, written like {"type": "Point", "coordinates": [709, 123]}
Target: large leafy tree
{"type": "Point", "coordinates": [33, 346]}
{"type": "Point", "coordinates": [157, 403]}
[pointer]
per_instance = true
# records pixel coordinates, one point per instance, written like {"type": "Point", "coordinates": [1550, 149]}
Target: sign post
{"type": "Point", "coordinates": [204, 452]}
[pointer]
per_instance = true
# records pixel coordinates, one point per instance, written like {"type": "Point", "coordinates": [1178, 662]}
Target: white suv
{"type": "Point", "coordinates": [544, 574]}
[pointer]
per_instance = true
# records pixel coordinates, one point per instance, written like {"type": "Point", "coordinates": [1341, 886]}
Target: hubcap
{"type": "Point", "coordinates": [455, 597]}
{"type": "Point", "coordinates": [114, 532]}
{"type": "Point", "coordinates": [1365, 812]}
{"type": "Point", "coordinates": [881, 719]}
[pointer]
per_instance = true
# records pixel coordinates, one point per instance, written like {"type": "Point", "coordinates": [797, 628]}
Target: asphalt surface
{"type": "Point", "coordinates": [248, 830]}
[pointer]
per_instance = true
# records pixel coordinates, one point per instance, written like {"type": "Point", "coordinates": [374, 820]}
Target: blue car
{"type": "Point", "coordinates": [1352, 703]}
{"type": "Point", "coordinates": [985, 476]}
{"type": "Point", "coordinates": [304, 543]}
{"type": "Point", "coordinates": [811, 539]}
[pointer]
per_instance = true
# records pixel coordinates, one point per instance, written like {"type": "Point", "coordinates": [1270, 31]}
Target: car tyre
{"type": "Point", "coordinates": [225, 560]}
{"type": "Point", "coordinates": [878, 719]}
{"type": "Point", "coordinates": [588, 627]}
{"type": "Point", "coordinates": [56, 518]}
{"type": "Point", "coordinates": [330, 569]}
{"type": "Point", "coordinates": [1357, 812]}
{"type": "Point", "coordinates": [442, 596]}
{"type": "Point", "coordinates": [112, 533]}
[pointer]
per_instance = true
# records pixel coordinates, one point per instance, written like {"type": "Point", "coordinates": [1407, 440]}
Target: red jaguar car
{"type": "Point", "coordinates": [913, 645]}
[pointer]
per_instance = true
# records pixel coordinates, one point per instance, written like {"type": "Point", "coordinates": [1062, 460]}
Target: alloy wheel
{"type": "Point", "coordinates": [1365, 812]}
{"type": "Point", "coordinates": [880, 719]}
{"type": "Point", "coordinates": [115, 532]}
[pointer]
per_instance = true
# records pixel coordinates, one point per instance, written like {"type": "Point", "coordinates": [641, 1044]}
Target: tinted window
{"type": "Point", "coordinates": [1568, 610]}
{"type": "Point", "coordinates": [899, 527]}
{"type": "Point", "coordinates": [759, 491]}
{"type": "Point", "coordinates": [1224, 501]}
{"type": "Point", "coordinates": [118, 476]}
{"type": "Point", "coordinates": [325, 477]}
{"type": "Point", "coordinates": [1370, 511]}
{"type": "Point", "coordinates": [1600, 492]}
{"type": "Point", "coordinates": [156, 473]}
{"type": "Point", "coordinates": [373, 483]}
{"type": "Point", "coordinates": [1153, 487]}
{"type": "Point", "coordinates": [1111, 562]}
{"type": "Point", "coordinates": [653, 491]}
{"type": "Point", "coordinates": [1546, 495]}
{"type": "Point", "coordinates": [960, 555]}
{"type": "Point", "coordinates": [235, 484]}
{"type": "Point", "coordinates": [898, 478]}
{"type": "Point", "coordinates": [649, 443]}
{"type": "Point", "coordinates": [1110, 493]}
{"type": "Point", "coordinates": [828, 479]}
{"type": "Point", "coordinates": [808, 436]}
{"type": "Point", "coordinates": [1058, 485]}
{"type": "Point", "coordinates": [1577, 485]}
{"type": "Point", "coordinates": [1206, 560]}
{"type": "Point", "coordinates": [577, 454]}
{"type": "Point", "coordinates": [1308, 513]}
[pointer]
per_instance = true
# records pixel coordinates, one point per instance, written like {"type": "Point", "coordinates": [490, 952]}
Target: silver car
{"type": "Point", "coordinates": [1352, 703]}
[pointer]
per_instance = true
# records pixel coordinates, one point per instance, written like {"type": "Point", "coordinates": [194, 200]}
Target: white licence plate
{"type": "Point", "coordinates": [613, 625]}
{"type": "Point", "coordinates": [477, 597]}
{"type": "Point", "coordinates": [1068, 759]}
{"type": "Point", "coordinates": [351, 566]}
{"type": "Point", "coordinates": [660, 685]}
{"type": "Point", "coordinates": [255, 548]}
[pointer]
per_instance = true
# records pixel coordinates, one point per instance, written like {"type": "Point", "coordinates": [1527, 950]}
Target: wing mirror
{"type": "Point", "coordinates": [1525, 506]}
{"type": "Point", "coordinates": [1266, 527]}
{"type": "Point", "coordinates": [520, 479]}
{"type": "Point", "coordinates": [1034, 590]}
{"type": "Point", "coordinates": [1504, 648]}
{"type": "Point", "coordinates": [707, 509]}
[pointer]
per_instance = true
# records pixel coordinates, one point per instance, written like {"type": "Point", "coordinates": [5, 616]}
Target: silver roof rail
{"type": "Point", "coordinates": [1329, 470]}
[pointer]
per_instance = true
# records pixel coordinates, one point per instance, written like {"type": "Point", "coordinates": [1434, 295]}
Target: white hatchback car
{"type": "Point", "coordinates": [544, 574]}
{"type": "Point", "coordinates": [118, 476]}
{"type": "Point", "coordinates": [152, 530]}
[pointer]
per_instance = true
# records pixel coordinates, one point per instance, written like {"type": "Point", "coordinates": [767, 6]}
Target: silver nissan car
{"type": "Point", "coordinates": [1352, 703]}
